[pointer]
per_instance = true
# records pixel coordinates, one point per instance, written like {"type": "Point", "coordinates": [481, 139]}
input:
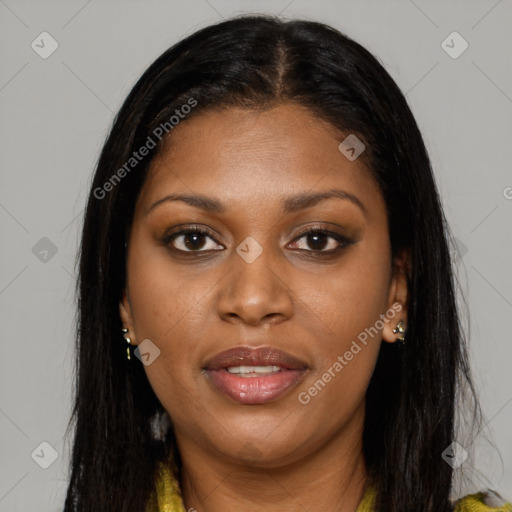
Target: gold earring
{"type": "Point", "coordinates": [400, 328]}
{"type": "Point", "coordinates": [129, 341]}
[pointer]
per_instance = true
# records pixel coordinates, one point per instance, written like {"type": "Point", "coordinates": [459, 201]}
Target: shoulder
{"type": "Point", "coordinates": [484, 501]}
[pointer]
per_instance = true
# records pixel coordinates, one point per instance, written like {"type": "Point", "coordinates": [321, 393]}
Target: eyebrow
{"type": "Point", "coordinates": [290, 204]}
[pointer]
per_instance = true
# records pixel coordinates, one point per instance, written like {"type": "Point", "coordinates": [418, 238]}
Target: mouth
{"type": "Point", "coordinates": [253, 376]}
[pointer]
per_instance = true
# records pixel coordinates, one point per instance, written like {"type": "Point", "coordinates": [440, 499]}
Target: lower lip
{"type": "Point", "coordinates": [255, 390]}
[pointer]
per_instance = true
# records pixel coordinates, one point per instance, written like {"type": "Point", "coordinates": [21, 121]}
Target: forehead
{"type": "Point", "coordinates": [245, 155]}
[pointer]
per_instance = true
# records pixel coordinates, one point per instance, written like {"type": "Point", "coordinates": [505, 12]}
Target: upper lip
{"type": "Point", "coordinates": [254, 356]}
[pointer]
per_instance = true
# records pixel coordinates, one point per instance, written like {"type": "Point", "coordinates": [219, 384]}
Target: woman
{"type": "Point", "coordinates": [267, 315]}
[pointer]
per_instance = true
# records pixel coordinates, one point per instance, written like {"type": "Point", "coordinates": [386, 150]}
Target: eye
{"type": "Point", "coordinates": [199, 240]}
{"type": "Point", "coordinates": [192, 240]}
{"type": "Point", "coordinates": [322, 241]}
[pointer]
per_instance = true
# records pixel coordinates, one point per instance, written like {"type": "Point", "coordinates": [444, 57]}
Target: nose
{"type": "Point", "coordinates": [256, 293]}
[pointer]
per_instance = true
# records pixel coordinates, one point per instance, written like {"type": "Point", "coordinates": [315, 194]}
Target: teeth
{"type": "Point", "coordinates": [244, 371]}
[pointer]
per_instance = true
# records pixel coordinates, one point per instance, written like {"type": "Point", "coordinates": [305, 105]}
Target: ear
{"type": "Point", "coordinates": [125, 311]}
{"type": "Point", "coordinates": [398, 296]}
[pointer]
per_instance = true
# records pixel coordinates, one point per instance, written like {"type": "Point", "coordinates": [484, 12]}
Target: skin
{"type": "Point", "coordinates": [254, 457]}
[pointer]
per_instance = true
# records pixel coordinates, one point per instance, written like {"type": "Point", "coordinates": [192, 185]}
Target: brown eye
{"type": "Point", "coordinates": [192, 240]}
{"type": "Point", "coordinates": [322, 241]}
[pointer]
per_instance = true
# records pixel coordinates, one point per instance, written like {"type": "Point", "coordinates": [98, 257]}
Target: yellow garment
{"type": "Point", "coordinates": [168, 499]}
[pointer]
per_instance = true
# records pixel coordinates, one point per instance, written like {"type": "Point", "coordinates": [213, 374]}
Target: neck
{"type": "Point", "coordinates": [331, 477]}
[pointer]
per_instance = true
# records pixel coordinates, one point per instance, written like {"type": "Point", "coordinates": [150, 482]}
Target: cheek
{"type": "Point", "coordinates": [162, 294]}
{"type": "Point", "coordinates": [350, 302]}
{"type": "Point", "coordinates": [351, 297]}
{"type": "Point", "coordinates": [347, 353]}
{"type": "Point", "coordinates": [167, 310]}
{"type": "Point", "coordinates": [169, 305]}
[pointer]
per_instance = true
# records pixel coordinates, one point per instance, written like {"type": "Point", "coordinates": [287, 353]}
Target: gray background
{"type": "Point", "coordinates": [56, 113]}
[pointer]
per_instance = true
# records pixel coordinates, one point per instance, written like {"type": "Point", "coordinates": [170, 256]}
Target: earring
{"type": "Point", "coordinates": [400, 328]}
{"type": "Point", "coordinates": [129, 341]}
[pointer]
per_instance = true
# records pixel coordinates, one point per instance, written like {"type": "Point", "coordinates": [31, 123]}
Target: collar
{"type": "Point", "coordinates": [168, 498]}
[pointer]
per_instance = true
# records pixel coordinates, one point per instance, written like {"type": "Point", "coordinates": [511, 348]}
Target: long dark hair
{"type": "Point", "coordinates": [258, 62]}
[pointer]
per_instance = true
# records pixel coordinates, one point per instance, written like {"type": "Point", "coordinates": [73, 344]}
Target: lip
{"type": "Point", "coordinates": [253, 390]}
{"type": "Point", "coordinates": [254, 356]}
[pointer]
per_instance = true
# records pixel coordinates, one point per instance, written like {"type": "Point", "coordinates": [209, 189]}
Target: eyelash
{"type": "Point", "coordinates": [341, 239]}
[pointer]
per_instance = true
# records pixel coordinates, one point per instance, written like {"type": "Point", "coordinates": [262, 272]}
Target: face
{"type": "Point", "coordinates": [240, 270]}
